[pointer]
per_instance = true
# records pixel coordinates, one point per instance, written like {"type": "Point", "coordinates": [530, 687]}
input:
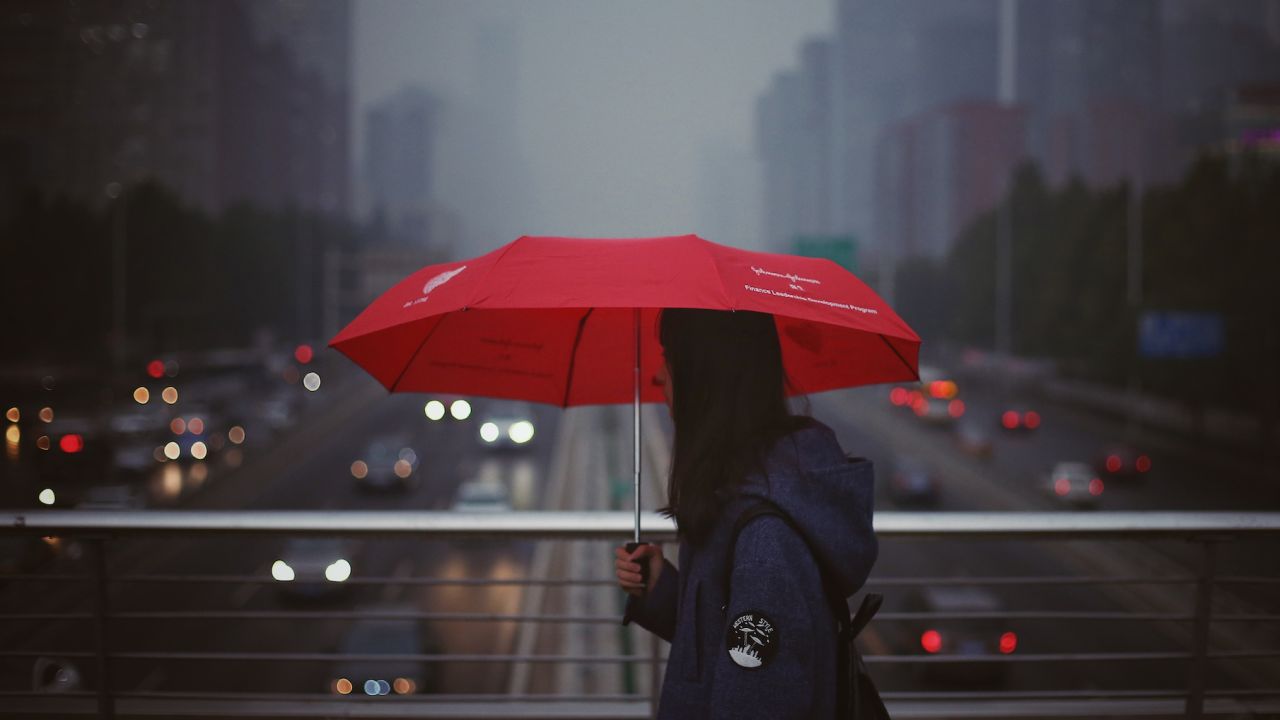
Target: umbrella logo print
{"type": "Point", "coordinates": [440, 279]}
{"type": "Point", "coordinates": [434, 283]}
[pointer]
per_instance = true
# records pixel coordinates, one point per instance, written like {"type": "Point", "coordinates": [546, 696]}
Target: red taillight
{"type": "Point", "coordinates": [1031, 419]}
{"type": "Point", "coordinates": [1143, 463]}
{"type": "Point", "coordinates": [1113, 463]}
{"type": "Point", "coordinates": [931, 641]}
{"type": "Point", "coordinates": [155, 369]}
{"type": "Point", "coordinates": [1062, 486]}
{"type": "Point", "coordinates": [1095, 486]}
{"type": "Point", "coordinates": [71, 443]}
{"type": "Point", "coordinates": [1009, 419]}
{"type": "Point", "coordinates": [955, 408]}
{"type": "Point", "coordinates": [898, 396]}
{"type": "Point", "coordinates": [1008, 642]}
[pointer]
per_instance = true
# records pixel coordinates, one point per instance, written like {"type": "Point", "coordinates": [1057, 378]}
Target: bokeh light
{"type": "Point", "coordinates": [169, 395]}
{"type": "Point", "coordinates": [12, 415]}
{"type": "Point", "coordinates": [460, 409]}
{"type": "Point", "coordinates": [199, 450]}
{"type": "Point", "coordinates": [236, 434]}
{"type": "Point", "coordinates": [46, 414]}
{"type": "Point", "coordinates": [141, 395]}
{"type": "Point", "coordinates": [311, 382]}
{"type": "Point", "coordinates": [434, 410]}
{"type": "Point", "coordinates": [172, 451]}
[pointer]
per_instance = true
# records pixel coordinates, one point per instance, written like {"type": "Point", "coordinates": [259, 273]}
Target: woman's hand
{"type": "Point", "coordinates": [627, 567]}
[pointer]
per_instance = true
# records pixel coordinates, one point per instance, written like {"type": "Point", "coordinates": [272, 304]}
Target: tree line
{"type": "Point", "coordinates": [1210, 243]}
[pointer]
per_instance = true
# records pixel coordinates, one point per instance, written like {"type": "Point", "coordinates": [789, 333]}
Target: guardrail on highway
{"type": "Point", "coordinates": [1208, 531]}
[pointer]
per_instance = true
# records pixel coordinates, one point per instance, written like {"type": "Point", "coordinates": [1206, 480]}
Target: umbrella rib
{"type": "Point", "coordinates": [573, 356]}
{"type": "Point", "coordinates": [414, 356]}
{"type": "Point", "coordinates": [914, 373]}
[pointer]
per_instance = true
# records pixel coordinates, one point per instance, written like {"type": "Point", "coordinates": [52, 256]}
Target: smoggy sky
{"type": "Point", "coordinates": [616, 102]}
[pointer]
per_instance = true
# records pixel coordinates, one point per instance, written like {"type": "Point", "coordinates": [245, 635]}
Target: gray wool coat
{"type": "Point", "coordinates": [769, 650]}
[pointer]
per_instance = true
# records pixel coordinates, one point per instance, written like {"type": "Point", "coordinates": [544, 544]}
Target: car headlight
{"type": "Point", "coordinates": [489, 432]}
{"type": "Point", "coordinates": [338, 571]}
{"type": "Point", "coordinates": [460, 409]}
{"type": "Point", "coordinates": [520, 432]}
{"type": "Point", "coordinates": [281, 571]}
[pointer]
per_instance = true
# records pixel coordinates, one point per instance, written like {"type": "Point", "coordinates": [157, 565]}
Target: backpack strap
{"type": "Point", "coordinates": [839, 605]}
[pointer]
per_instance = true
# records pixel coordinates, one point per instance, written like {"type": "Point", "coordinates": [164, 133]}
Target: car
{"type": "Point", "coordinates": [388, 464]}
{"type": "Point", "coordinates": [313, 567]}
{"type": "Point", "coordinates": [1075, 483]}
{"type": "Point", "coordinates": [977, 638]}
{"type": "Point", "coordinates": [278, 412]}
{"type": "Point", "coordinates": [506, 424]}
{"type": "Point", "coordinates": [482, 496]}
{"type": "Point", "coordinates": [938, 411]}
{"type": "Point", "coordinates": [452, 406]}
{"type": "Point", "coordinates": [973, 440]}
{"type": "Point", "coordinates": [1123, 461]}
{"type": "Point", "coordinates": [911, 483]}
{"type": "Point", "coordinates": [1018, 418]}
{"type": "Point", "coordinates": [395, 635]}
{"type": "Point", "coordinates": [73, 452]}
{"type": "Point", "coordinates": [112, 497]}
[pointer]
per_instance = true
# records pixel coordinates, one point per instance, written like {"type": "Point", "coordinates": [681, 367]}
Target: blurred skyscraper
{"type": "Point", "coordinates": [399, 161]}
{"type": "Point", "coordinates": [224, 101]}
{"type": "Point", "coordinates": [1107, 91]}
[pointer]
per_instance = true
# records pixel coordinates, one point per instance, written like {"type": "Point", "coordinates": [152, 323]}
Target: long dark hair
{"type": "Point", "coordinates": [729, 406]}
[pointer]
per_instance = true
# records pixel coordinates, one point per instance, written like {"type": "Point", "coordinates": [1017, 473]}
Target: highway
{"type": "Point", "coordinates": [308, 467]}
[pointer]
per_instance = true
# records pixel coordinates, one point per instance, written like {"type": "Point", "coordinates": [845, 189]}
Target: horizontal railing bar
{"type": "Point", "coordinates": [354, 697]}
{"type": "Point", "coordinates": [946, 659]}
{"type": "Point", "coordinates": [388, 580]}
{"type": "Point", "coordinates": [872, 581]}
{"type": "Point", "coordinates": [1035, 615]}
{"type": "Point", "coordinates": [618, 524]}
{"type": "Point", "coordinates": [329, 657]}
{"type": "Point", "coordinates": [1089, 693]}
{"type": "Point", "coordinates": [590, 619]}
{"type": "Point", "coordinates": [1243, 654]}
{"type": "Point", "coordinates": [1030, 580]}
{"type": "Point", "coordinates": [366, 657]}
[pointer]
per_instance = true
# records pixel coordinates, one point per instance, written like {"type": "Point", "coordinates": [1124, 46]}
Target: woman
{"type": "Point", "coordinates": [768, 650]}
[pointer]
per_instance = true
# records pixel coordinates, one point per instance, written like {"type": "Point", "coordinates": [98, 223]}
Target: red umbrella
{"type": "Point", "coordinates": [558, 320]}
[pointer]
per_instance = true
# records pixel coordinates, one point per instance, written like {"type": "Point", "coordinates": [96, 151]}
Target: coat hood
{"type": "Point", "coordinates": [829, 496]}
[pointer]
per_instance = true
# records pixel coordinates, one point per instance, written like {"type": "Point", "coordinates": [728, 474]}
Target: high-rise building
{"type": "Point", "coordinates": [938, 171]}
{"type": "Point", "coordinates": [107, 93]}
{"type": "Point", "coordinates": [399, 158]}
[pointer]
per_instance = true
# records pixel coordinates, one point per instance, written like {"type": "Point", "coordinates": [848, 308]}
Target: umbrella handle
{"type": "Point", "coordinates": [644, 563]}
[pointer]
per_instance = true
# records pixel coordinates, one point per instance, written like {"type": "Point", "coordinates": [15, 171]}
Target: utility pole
{"type": "Point", "coordinates": [1007, 83]}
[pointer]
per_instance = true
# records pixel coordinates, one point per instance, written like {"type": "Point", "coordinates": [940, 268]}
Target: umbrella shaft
{"type": "Point", "coordinates": [635, 424]}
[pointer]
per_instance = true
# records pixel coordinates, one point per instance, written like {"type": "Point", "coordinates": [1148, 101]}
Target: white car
{"type": "Point", "coordinates": [1076, 484]}
{"type": "Point", "coordinates": [313, 567]}
{"type": "Point", "coordinates": [477, 496]}
{"type": "Point", "coordinates": [506, 425]}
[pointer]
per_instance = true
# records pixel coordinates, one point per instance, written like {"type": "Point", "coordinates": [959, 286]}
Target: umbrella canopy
{"type": "Point", "coordinates": [553, 319]}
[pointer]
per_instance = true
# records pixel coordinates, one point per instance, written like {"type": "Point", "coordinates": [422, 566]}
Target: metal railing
{"type": "Point", "coordinates": [1209, 531]}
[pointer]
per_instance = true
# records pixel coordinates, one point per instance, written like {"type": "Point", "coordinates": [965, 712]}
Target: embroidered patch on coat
{"type": "Point", "coordinates": [752, 640]}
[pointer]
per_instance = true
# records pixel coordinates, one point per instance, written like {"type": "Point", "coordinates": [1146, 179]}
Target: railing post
{"type": "Point", "coordinates": [1200, 634]}
{"type": "Point", "coordinates": [655, 680]}
{"type": "Point", "coordinates": [106, 704]}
